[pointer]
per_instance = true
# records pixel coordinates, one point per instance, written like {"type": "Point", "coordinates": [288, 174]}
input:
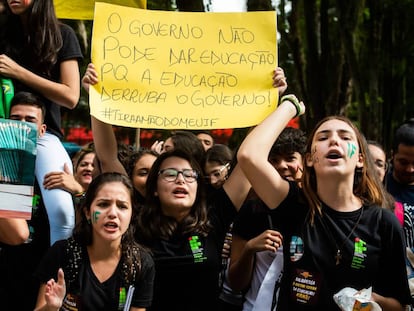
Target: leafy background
{"type": "Point", "coordinates": [353, 58]}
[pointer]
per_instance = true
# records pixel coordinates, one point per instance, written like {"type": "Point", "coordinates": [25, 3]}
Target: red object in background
{"type": "Point", "coordinates": [222, 136]}
{"type": "Point", "coordinates": [82, 135]}
{"type": "Point", "coordinates": [148, 137]}
{"type": "Point", "coordinates": [294, 123]}
{"type": "Point", "coordinates": [79, 135]}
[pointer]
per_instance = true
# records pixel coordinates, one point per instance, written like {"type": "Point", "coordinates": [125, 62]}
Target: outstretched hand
{"type": "Point", "coordinates": [55, 291]}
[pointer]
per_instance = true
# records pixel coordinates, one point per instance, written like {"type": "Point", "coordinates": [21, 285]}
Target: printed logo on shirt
{"type": "Point", "coordinates": [196, 248]}
{"type": "Point", "coordinates": [71, 303]}
{"type": "Point", "coordinates": [122, 298]}
{"type": "Point", "coordinates": [296, 248]}
{"type": "Point", "coordinates": [305, 287]}
{"type": "Point", "coordinates": [358, 260]}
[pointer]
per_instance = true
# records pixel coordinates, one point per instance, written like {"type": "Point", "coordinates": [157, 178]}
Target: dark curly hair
{"type": "Point", "coordinates": [289, 141]}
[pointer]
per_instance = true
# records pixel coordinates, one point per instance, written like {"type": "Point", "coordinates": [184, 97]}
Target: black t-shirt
{"type": "Point", "coordinates": [373, 255]}
{"type": "Point", "coordinates": [88, 293]}
{"type": "Point", "coordinates": [70, 50]}
{"type": "Point", "coordinates": [404, 195]}
{"type": "Point", "coordinates": [253, 219]}
{"type": "Point", "coordinates": [18, 263]}
{"type": "Point", "coordinates": [187, 266]}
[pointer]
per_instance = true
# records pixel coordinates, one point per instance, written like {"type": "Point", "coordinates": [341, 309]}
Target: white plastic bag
{"type": "Point", "coordinates": [350, 299]}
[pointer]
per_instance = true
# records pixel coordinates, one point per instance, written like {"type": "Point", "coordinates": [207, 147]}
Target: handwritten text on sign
{"type": "Point", "coordinates": [182, 70]}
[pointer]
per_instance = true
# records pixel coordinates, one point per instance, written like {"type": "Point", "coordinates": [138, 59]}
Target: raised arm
{"type": "Point", "coordinates": [13, 231]}
{"type": "Point", "coordinates": [106, 147]}
{"type": "Point", "coordinates": [238, 186]}
{"type": "Point", "coordinates": [253, 153]}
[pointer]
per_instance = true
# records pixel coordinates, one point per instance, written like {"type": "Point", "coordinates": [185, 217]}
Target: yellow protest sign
{"type": "Point", "coordinates": [182, 70]}
{"type": "Point", "coordinates": [83, 9]}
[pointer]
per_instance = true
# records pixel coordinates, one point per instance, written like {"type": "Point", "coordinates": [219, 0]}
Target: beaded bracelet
{"type": "Point", "coordinates": [292, 99]}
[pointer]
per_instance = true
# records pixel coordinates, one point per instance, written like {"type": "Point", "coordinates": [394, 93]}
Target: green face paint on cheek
{"type": "Point", "coordinates": [95, 216]}
{"type": "Point", "coordinates": [351, 149]}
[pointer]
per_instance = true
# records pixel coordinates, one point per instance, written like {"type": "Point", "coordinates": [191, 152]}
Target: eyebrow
{"type": "Point", "coordinates": [18, 117]}
{"type": "Point", "coordinates": [109, 199]}
{"type": "Point", "coordinates": [341, 131]}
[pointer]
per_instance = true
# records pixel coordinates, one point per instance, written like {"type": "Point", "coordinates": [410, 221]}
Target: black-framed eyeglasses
{"type": "Point", "coordinates": [171, 174]}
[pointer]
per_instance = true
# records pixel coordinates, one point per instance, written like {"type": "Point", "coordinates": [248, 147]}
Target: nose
{"type": "Point", "coordinates": [280, 165]}
{"type": "Point", "coordinates": [410, 168]}
{"type": "Point", "coordinates": [333, 140]}
{"type": "Point", "coordinates": [112, 211]}
{"type": "Point", "coordinates": [214, 178]}
{"type": "Point", "coordinates": [180, 177]}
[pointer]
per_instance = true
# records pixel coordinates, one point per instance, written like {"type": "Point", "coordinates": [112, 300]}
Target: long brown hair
{"type": "Point", "coordinates": [367, 185]}
{"type": "Point", "coordinates": [42, 41]}
{"type": "Point", "coordinates": [153, 224]}
{"type": "Point", "coordinates": [83, 234]}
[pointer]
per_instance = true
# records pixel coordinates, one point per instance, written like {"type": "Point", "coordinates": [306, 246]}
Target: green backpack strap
{"type": "Point", "coordinates": [6, 96]}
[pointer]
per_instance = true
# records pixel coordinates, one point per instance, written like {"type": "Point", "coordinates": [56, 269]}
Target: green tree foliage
{"type": "Point", "coordinates": [352, 58]}
{"type": "Point", "coordinates": [340, 56]}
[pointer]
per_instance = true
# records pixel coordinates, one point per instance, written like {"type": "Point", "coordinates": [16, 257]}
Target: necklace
{"type": "Point", "coordinates": [338, 254]}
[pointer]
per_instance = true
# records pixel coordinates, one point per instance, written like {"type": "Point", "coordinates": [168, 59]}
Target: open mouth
{"type": "Point", "coordinates": [334, 155]}
{"type": "Point", "coordinates": [111, 225]}
{"type": "Point", "coordinates": [180, 191]}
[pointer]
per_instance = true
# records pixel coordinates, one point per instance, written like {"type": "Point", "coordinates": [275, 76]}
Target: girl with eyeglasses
{"type": "Point", "coordinates": [183, 228]}
{"type": "Point", "coordinates": [217, 165]}
{"type": "Point", "coordinates": [185, 231]}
